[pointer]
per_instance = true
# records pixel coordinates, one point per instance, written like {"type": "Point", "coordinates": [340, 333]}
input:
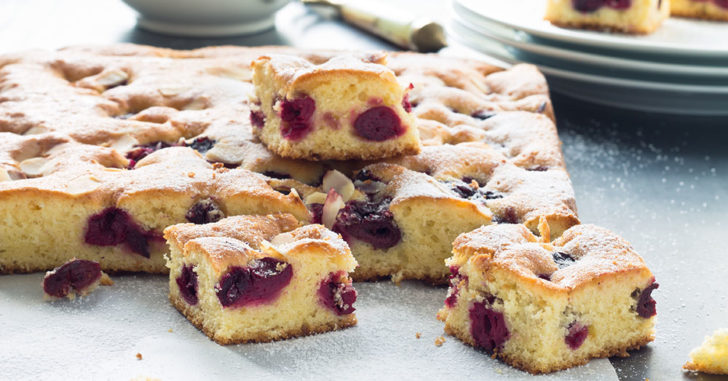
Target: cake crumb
{"type": "Point", "coordinates": [106, 280]}
{"type": "Point", "coordinates": [418, 335]}
{"type": "Point", "coordinates": [191, 175]}
{"type": "Point", "coordinates": [139, 356]}
{"type": "Point", "coordinates": [439, 341]}
{"type": "Point", "coordinates": [170, 330]}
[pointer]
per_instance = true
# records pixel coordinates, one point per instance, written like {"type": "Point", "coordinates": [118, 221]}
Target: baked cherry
{"type": "Point", "coordinates": [257, 118]}
{"type": "Point", "coordinates": [507, 216]}
{"type": "Point", "coordinates": [337, 295]}
{"type": "Point", "coordinates": [317, 212]}
{"type": "Point", "coordinates": [378, 124]}
{"type": "Point", "coordinates": [483, 115]}
{"type": "Point", "coordinates": [368, 221]}
{"type": "Point", "coordinates": [259, 282]}
{"type": "Point", "coordinates": [114, 226]}
{"type": "Point", "coordinates": [204, 212]}
{"type": "Point", "coordinates": [488, 327]}
{"type": "Point", "coordinates": [576, 335]}
{"type": "Point", "coordinates": [202, 144]}
{"type": "Point", "coordinates": [187, 283]}
{"type": "Point", "coordinates": [141, 151]}
{"type": "Point", "coordinates": [455, 278]}
{"type": "Point", "coordinates": [646, 305]}
{"type": "Point", "coordinates": [562, 259]}
{"type": "Point", "coordinates": [587, 6]}
{"type": "Point", "coordinates": [74, 275]}
{"type": "Point", "coordinates": [296, 117]}
{"type": "Point", "coordinates": [406, 105]}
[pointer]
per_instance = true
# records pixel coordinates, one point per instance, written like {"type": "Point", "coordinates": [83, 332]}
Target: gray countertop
{"type": "Point", "coordinates": [660, 181]}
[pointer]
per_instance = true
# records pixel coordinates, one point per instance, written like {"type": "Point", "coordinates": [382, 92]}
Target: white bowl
{"type": "Point", "coordinates": [206, 18]}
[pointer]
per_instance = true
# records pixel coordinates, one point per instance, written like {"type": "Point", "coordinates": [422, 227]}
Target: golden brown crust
{"type": "Point", "coordinates": [181, 306]}
{"type": "Point", "coordinates": [597, 27]}
{"type": "Point", "coordinates": [621, 351]}
{"type": "Point", "coordinates": [599, 254]}
{"type": "Point", "coordinates": [69, 118]}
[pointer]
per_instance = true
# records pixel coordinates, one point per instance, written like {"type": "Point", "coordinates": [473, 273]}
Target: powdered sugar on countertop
{"type": "Point", "coordinates": [98, 337]}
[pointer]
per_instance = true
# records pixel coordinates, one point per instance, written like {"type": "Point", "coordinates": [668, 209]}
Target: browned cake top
{"type": "Point", "coordinates": [227, 241]}
{"type": "Point", "coordinates": [582, 255]}
{"type": "Point", "coordinates": [74, 121]}
{"type": "Point", "coordinates": [234, 241]}
{"type": "Point", "coordinates": [288, 70]}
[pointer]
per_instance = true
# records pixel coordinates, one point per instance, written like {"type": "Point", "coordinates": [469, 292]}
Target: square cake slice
{"type": "Point", "coordinates": [348, 107]}
{"type": "Point", "coordinates": [543, 307]}
{"type": "Point", "coordinates": [700, 9]}
{"type": "Point", "coordinates": [627, 16]}
{"type": "Point", "coordinates": [260, 278]}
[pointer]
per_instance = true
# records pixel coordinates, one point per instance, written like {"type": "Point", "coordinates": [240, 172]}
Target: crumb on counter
{"type": "Point", "coordinates": [439, 341]}
{"type": "Point", "coordinates": [170, 330]}
{"type": "Point", "coordinates": [139, 356]}
{"type": "Point", "coordinates": [418, 335]}
{"type": "Point", "coordinates": [106, 280]}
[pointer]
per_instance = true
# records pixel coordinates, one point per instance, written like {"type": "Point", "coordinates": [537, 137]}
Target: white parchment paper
{"type": "Point", "coordinates": [98, 337]}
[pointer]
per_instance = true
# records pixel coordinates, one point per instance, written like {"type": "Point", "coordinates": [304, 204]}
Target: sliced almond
{"type": "Point", "coordinates": [33, 167]}
{"type": "Point", "coordinates": [4, 175]}
{"type": "Point", "coordinates": [315, 198]}
{"type": "Point", "coordinates": [112, 78]}
{"type": "Point", "coordinates": [339, 182]}
{"type": "Point", "coordinates": [334, 202]}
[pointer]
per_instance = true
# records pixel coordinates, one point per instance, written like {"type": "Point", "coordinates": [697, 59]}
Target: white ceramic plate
{"type": "Point", "coordinates": [523, 42]}
{"type": "Point", "coordinates": [619, 92]}
{"type": "Point", "coordinates": [675, 37]}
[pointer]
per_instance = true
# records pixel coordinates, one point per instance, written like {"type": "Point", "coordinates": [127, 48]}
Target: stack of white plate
{"type": "Point", "coordinates": [681, 68]}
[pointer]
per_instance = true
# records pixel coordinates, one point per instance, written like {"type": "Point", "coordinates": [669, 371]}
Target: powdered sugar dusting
{"type": "Point", "coordinates": [98, 337]}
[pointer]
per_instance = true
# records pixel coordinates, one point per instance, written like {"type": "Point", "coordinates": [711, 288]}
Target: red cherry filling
{"type": "Point", "coordinates": [187, 283]}
{"type": "Point", "coordinates": [576, 335]}
{"type": "Point", "coordinates": [317, 212]}
{"type": "Point", "coordinates": [143, 150]}
{"type": "Point", "coordinates": [406, 105]}
{"type": "Point", "coordinates": [646, 305]}
{"type": "Point", "coordinates": [588, 6]}
{"type": "Point", "coordinates": [337, 294]}
{"type": "Point", "coordinates": [721, 3]}
{"type": "Point", "coordinates": [453, 292]}
{"type": "Point", "coordinates": [257, 119]}
{"type": "Point", "coordinates": [259, 282]}
{"type": "Point", "coordinates": [488, 327]}
{"type": "Point", "coordinates": [563, 260]}
{"type": "Point", "coordinates": [296, 117]}
{"type": "Point", "coordinates": [507, 216]}
{"type": "Point", "coordinates": [378, 124]}
{"type": "Point", "coordinates": [368, 221]}
{"type": "Point", "coordinates": [76, 274]}
{"type": "Point", "coordinates": [202, 144]}
{"type": "Point", "coordinates": [113, 226]}
{"type": "Point", "coordinates": [204, 212]}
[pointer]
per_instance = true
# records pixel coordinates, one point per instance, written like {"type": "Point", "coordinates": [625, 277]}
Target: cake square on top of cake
{"type": "Point", "coordinates": [260, 278]}
{"type": "Point", "coordinates": [627, 16]}
{"type": "Point", "coordinates": [348, 107]}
